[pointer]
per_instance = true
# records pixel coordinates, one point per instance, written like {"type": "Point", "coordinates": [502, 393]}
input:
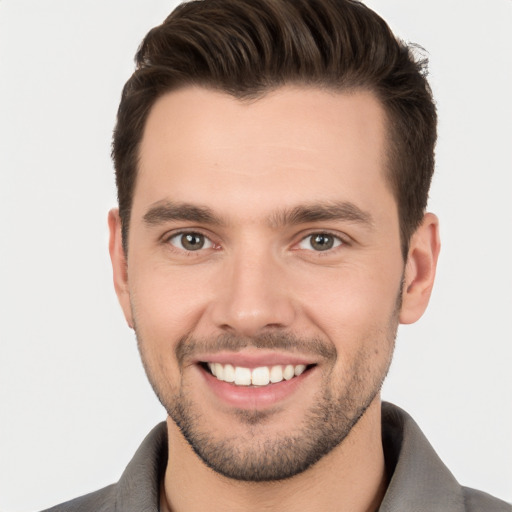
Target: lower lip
{"type": "Point", "coordinates": [254, 397]}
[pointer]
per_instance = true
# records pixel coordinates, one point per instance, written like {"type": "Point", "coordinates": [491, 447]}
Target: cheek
{"type": "Point", "coordinates": [167, 303]}
{"type": "Point", "coordinates": [351, 305]}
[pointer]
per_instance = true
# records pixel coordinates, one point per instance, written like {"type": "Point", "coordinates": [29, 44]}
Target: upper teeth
{"type": "Point", "coordinates": [260, 376]}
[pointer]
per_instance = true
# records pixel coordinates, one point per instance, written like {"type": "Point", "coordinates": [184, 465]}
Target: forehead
{"type": "Point", "coordinates": [294, 144]}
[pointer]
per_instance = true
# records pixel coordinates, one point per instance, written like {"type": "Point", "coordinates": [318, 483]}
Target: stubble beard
{"type": "Point", "coordinates": [256, 457]}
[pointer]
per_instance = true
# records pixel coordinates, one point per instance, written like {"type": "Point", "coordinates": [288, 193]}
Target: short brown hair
{"type": "Point", "coordinates": [249, 47]}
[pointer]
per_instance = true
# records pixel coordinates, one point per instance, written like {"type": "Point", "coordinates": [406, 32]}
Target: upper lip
{"type": "Point", "coordinates": [255, 358]}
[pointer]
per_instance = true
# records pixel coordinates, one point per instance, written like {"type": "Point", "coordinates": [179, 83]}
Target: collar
{"type": "Point", "coordinates": [420, 481]}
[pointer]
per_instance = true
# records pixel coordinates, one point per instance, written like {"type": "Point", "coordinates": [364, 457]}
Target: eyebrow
{"type": "Point", "coordinates": [316, 212]}
{"type": "Point", "coordinates": [168, 211]}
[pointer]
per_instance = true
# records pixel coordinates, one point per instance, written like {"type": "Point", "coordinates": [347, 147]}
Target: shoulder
{"type": "Point", "coordinates": [478, 501]}
{"type": "Point", "coordinates": [138, 487]}
{"type": "Point", "coordinates": [102, 500]}
{"type": "Point", "coordinates": [419, 479]}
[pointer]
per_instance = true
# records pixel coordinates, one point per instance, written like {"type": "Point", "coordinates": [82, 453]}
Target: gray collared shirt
{"type": "Point", "coordinates": [420, 482]}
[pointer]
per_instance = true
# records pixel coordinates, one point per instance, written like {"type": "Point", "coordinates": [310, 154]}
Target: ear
{"type": "Point", "coordinates": [420, 269]}
{"type": "Point", "coordinates": [119, 264]}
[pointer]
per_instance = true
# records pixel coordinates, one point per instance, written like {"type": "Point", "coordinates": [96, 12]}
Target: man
{"type": "Point", "coordinates": [273, 160]}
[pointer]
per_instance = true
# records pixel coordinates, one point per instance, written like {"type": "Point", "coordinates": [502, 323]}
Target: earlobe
{"type": "Point", "coordinates": [119, 264]}
{"type": "Point", "coordinates": [420, 269]}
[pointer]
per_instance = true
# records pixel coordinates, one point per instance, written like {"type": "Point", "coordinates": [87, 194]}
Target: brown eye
{"type": "Point", "coordinates": [320, 242]}
{"type": "Point", "coordinates": [190, 241]}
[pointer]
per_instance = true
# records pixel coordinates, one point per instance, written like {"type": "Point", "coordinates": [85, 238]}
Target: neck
{"type": "Point", "coordinates": [350, 478]}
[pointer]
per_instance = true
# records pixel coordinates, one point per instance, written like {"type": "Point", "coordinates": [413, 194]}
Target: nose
{"type": "Point", "coordinates": [252, 295]}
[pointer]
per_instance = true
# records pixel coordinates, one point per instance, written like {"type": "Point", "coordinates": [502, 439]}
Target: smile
{"type": "Point", "coordinates": [260, 376]}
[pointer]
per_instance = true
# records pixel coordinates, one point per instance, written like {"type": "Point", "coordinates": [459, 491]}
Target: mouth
{"type": "Point", "coordinates": [255, 377]}
{"type": "Point", "coordinates": [256, 380]}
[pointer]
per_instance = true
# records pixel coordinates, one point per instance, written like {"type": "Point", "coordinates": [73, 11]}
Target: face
{"type": "Point", "coordinates": [264, 271]}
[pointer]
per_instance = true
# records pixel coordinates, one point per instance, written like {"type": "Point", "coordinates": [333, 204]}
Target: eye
{"type": "Point", "coordinates": [320, 242]}
{"type": "Point", "coordinates": [190, 241]}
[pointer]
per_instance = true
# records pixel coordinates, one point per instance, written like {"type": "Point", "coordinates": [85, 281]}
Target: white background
{"type": "Point", "coordinates": [74, 402]}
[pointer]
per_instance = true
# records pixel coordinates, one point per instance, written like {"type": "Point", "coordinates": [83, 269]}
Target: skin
{"type": "Point", "coordinates": [259, 275]}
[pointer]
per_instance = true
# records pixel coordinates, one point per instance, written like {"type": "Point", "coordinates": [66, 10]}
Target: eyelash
{"type": "Point", "coordinates": [338, 242]}
{"type": "Point", "coordinates": [178, 235]}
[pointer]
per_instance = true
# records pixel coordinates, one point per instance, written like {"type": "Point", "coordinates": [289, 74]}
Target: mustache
{"type": "Point", "coordinates": [188, 346]}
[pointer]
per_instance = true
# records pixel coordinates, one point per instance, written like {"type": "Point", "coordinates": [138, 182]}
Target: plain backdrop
{"type": "Point", "coordinates": [74, 401]}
